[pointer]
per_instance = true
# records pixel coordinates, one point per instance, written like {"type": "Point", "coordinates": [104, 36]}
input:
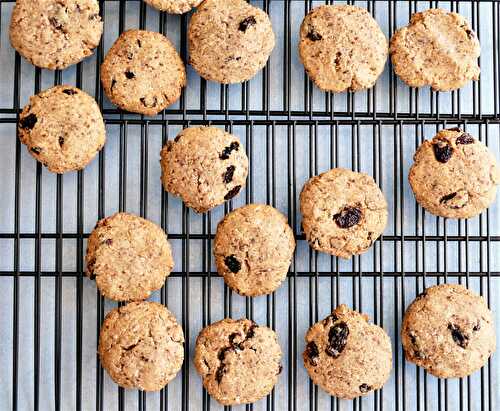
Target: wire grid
{"type": "Point", "coordinates": [50, 314]}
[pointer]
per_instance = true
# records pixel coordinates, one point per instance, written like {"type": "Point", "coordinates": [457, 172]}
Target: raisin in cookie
{"type": "Point", "coordinates": [128, 256]}
{"type": "Point", "coordinates": [205, 166]}
{"type": "Point", "coordinates": [229, 40]}
{"type": "Point", "coordinates": [62, 128]}
{"type": "Point", "coordinates": [438, 48]}
{"type": "Point", "coordinates": [238, 361]}
{"type": "Point", "coordinates": [174, 6]}
{"type": "Point", "coordinates": [342, 48]}
{"type": "Point", "coordinates": [454, 175]}
{"type": "Point", "coordinates": [449, 331]}
{"type": "Point", "coordinates": [253, 249]}
{"type": "Point", "coordinates": [55, 34]}
{"type": "Point", "coordinates": [343, 212]}
{"type": "Point", "coordinates": [347, 356]}
{"type": "Point", "coordinates": [141, 346]}
{"type": "Point", "coordinates": [143, 73]}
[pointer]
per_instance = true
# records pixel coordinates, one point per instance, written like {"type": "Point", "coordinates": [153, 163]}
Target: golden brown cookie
{"type": "Point", "coordinates": [205, 166]}
{"type": "Point", "coordinates": [141, 346]}
{"type": "Point", "coordinates": [143, 73]}
{"type": "Point", "coordinates": [438, 48]}
{"type": "Point", "coordinates": [343, 212]}
{"type": "Point", "coordinates": [342, 48]}
{"type": "Point", "coordinates": [449, 331]}
{"type": "Point", "coordinates": [229, 40]}
{"type": "Point", "coordinates": [347, 356]}
{"type": "Point", "coordinates": [62, 128]}
{"type": "Point", "coordinates": [55, 34]}
{"type": "Point", "coordinates": [238, 361]}
{"type": "Point", "coordinates": [128, 256]}
{"type": "Point", "coordinates": [174, 6]}
{"type": "Point", "coordinates": [454, 175]}
{"type": "Point", "coordinates": [253, 249]}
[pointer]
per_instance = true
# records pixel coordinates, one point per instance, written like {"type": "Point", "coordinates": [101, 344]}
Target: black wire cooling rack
{"type": "Point", "coordinates": [50, 314]}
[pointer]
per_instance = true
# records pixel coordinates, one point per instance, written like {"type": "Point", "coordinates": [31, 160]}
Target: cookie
{"type": "Point", "coordinates": [143, 73]}
{"type": "Point", "coordinates": [449, 331]}
{"type": "Point", "coordinates": [62, 128]}
{"type": "Point", "coordinates": [55, 34]}
{"type": "Point", "coordinates": [342, 48]}
{"type": "Point", "coordinates": [141, 346]}
{"type": "Point", "coordinates": [454, 175]}
{"type": "Point", "coordinates": [205, 166]}
{"type": "Point", "coordinates": [174, 6]}
{"type": "Point", "coordinates": [238, 361]}
{"type": "Point", "coordinates": [438, 48]}
{"type": "Point", "coordinates": [229, 40]}
{"type": "Point", "coordinates": [346, 355]}
{"type": "Point", "coordinates": [128, 256]}
{"type": "Point", "coordinates": [253, 249]}
{"type": "Point", "coordinates": [343, 212]}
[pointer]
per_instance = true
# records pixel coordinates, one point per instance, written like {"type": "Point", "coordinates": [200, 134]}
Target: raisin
{"type": "Point", "coordinates": [348, 217]}
{"type": "Point", "coordinates": [465, 138]}
{"type": "Point", "coordinates": [456, 200]}
{"type": "Point", "coordinates": [477, 327]}
{"type": "Point", "coordinates": [333, 317]}
{"type": "Point", "coordinates": [69, 92]}
{"type": "Point", "coordinates": [251, 331]}
{"type": "Point", "coordinates": [61, 141]}
{"type": "Point", "coordinates": [53, 21]}
{"type": "Point", "coordinates": [36, 150]}
{"type": "Point", "coordinates": [457, 335]}
{"type": "Point", "coordinates": [454, 129]}
{"type": "Point", "coordinates": [139, 43]}
{"type": "Point", "coordinates": [113, 83]}
{"type": "Point", "coordinates": [232, 263]}
{"type": "Point", "coordinates": [221, 370]}
{"type": "Point", "coordinates": [447, 197]}
{"type": "Point", "coordinates": [312, 353]}
{"type": "Point", "coordinates": [313, 35]}
{"type": "Point", "coordinates": [129, 74]}
{"type": "Point", "coordinates": [470, 34]}
{"type": "Point", "coordinates": [228, 175]}
{"type": "Point", "coordinates": [365, 388]}
{"type": "Point", "coordinates": [246, 23]}
{"type": "Point", "coordinates": [234, 146]}
{"type": "Point", "coordinates": [177, 138]}
{"type": "Point", "coordinates": [147, 104]}
{"type": "Point", "coordinates": [109, 241]}
{"type": "Point", "coordinates": [231, 193]}
{"type": "Point", "coordinates": [442, 152]}
{"type": "Point", "coordinates": [28, 122]}
{"type": "Point", "coordinates": [337, 338]}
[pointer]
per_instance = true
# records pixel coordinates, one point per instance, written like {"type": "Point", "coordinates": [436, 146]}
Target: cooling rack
{"type": "Point", "coordinates": [50, 314]}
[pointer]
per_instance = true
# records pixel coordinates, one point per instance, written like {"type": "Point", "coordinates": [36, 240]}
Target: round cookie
{"type": "Point", "coordinates": [253, 249]}
{"type": "Point", "coordinates": [438, 48]}
{"type": "Point", "coordinates": [143, 73]}
{"type": "Point", "coordinates": [449, 331]}
{"type": "Point", "coordinates": [229, 40]}
{"type": "Point", "coordinates": [62, 128]}
{"type": "Point", "coordinates": [347, 356]}
{"type": "Point", "coordinates": [55, 34]}
{"type": "Point", "coordinates": [141, 346]}
{"type": "Point", "coordinates": [174, 6]}
{"type": "Point", "coordinates": [343, 212]}
{"type": "Point", "coordinates": [454, 175]}
{"type": "Point", "coordinates": [238, 361]}
{"type": "Point", "coordinates": [128, 256]}
{"type": "Point", "coordinates": [205, 166]}
{"type": "Point", "coordinates": [342, 48]}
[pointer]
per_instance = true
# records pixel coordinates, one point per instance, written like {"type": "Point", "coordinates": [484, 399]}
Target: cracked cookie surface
{"type": "Point", "coordinates": [229, 40]}
{"type": "Point", "coordinates": [174, 6]}
{"type": "Point", "coordinates": [347, 356]}
{"type": "Point", "coordinates": [128, 256]}
{"type": "Point", "coordinates": [143, 73]}
{"type": "Point", "coordinates": [253, 249]}
{"type": "Point", "coordinates": [438, 48]}
{"type": "Point", "coordinates": [343, 212]}
{"type": "Point", "coordinates": [205, 166]}
{"type": "Point", "coordinates": [62, 128]}
{"type": "Point", "coordinates": [454, 175]}
{"type": "Point", "coordinates": [449, 331]}
{"type": "Point", "coordinates": [55, 34]}
{"type": "Point", "coordinates": [342, 48]}
{"type": "Point", "coordinates": [141, 346]}
{"type": "Point", "coordinates": [238, 361]}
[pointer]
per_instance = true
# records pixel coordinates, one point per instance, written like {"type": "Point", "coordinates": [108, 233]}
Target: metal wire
{"type": "Point", "coordinates": [325, 123]}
